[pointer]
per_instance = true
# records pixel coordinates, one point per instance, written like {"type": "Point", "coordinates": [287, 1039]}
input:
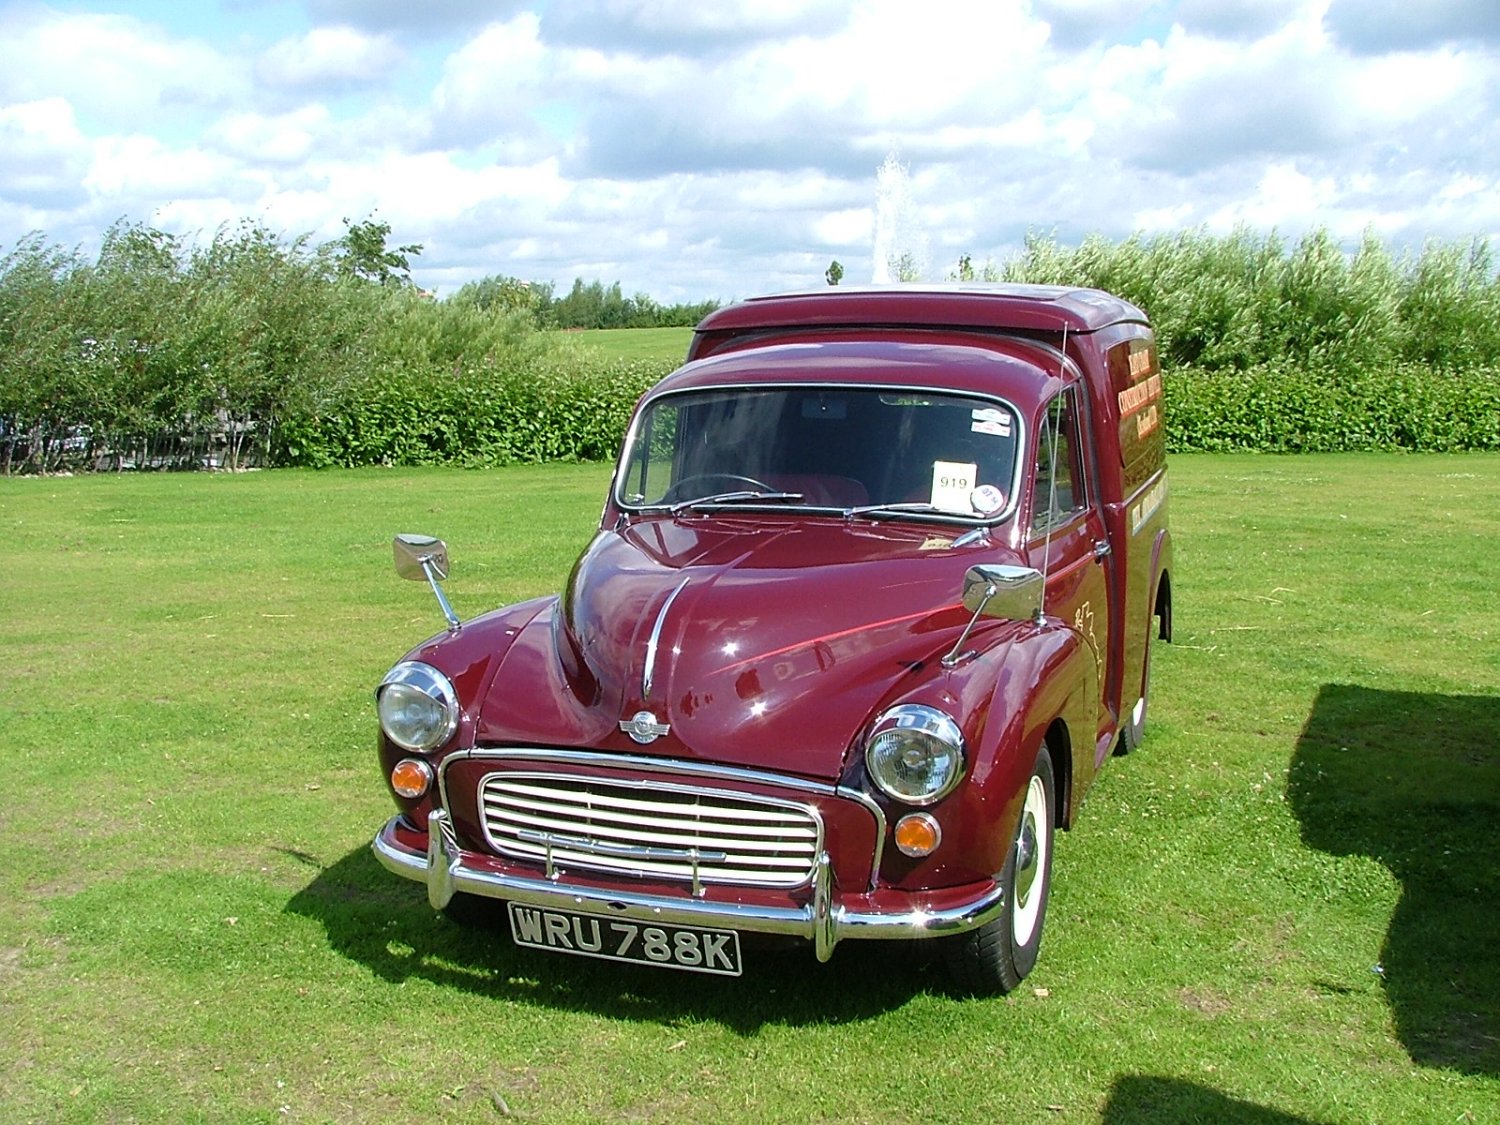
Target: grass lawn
{"type": "Point", "coordinates": [665, 345]}
{"type": "Point", "coordinates": [1284, 909]}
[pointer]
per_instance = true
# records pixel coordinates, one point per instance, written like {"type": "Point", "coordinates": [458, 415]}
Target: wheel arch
{"type": "Point", "coordinates": [1059, 745]}
{"type": "Point", "coordinates": [1162, 606]}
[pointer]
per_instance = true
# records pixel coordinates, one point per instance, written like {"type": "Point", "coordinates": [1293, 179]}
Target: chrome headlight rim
{"type": "Point", "coordinates": [920, 725]}
{"type": "Point", "coordinates": [426, 680]}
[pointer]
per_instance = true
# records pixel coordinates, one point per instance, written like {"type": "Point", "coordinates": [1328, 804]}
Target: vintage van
{"type": "Point", "coordinates": [871, 601]}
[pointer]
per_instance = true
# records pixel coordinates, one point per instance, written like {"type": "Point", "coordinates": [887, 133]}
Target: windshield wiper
{"type": "Point", "coordinates": [916, 506]}
{"type": "Point", "coordinates": [743, 496]}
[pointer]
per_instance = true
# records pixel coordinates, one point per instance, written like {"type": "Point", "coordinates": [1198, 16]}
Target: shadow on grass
{"type": "Point", "coordinates": [384, 923]}
{"type": "Point", "coordinates": [1413, 780]}
{"type": "Point", "coordinates": [1139, 1099]}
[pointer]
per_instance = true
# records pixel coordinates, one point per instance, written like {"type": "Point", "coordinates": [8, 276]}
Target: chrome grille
{"type": "Point", "coordinates": [667, 831]}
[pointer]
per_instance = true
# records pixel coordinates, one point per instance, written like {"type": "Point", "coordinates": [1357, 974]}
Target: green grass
{"type": "Point", "coordinates": [668, 345]}
{"type": "Point", "coordinates": [1281, 910]}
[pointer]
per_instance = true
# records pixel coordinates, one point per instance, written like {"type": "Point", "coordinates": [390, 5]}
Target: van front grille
{"type": "Point", "coordinates": [655, 830]}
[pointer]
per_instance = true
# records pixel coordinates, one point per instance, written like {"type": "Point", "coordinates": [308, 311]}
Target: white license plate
{"type": "Point", "coordinates": [692, 948]}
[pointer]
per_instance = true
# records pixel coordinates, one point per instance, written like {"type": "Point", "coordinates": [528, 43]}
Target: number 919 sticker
{"type": "Point", "coordinates": [952, 481]}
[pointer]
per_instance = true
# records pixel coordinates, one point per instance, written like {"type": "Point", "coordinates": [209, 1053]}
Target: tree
{"type": "Point", "coordinates": [967, 271]}
{"type": "Point", "coordinates": [362, 253]}
{"type": "Point", "coordinates": [835, 272]}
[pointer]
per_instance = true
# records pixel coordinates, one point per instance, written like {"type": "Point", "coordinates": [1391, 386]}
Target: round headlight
{"type": "Point", "coordinates": [418, 706]}
{"type": "Point", "coordinates": [915, 754]}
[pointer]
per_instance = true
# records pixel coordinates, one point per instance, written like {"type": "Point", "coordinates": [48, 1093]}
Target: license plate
{"type": "Point", "coordinates": [693, 948]}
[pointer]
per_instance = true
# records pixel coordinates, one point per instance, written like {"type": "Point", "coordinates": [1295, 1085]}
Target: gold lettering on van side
{"type": "Point", "coordinates": [1140, 363]}
{"type": "Point", "coordinates": [1134, 398]}
{"type": "Point", "coordinates": [1143, 509]}
{"type": "Point", "coordinates": [1147, 421]}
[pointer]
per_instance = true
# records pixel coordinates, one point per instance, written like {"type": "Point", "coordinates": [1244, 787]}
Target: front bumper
{"type": "Point", "coordinates": [825, 920]}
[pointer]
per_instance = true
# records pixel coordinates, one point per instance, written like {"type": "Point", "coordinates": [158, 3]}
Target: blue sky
{"type": "Point", "coordinates": [696, 150]}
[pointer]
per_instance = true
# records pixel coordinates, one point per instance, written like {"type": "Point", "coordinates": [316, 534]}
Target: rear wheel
{"type": "Point", "coordinates": [1133, 729]}
{"type": "Point", "coordinates": [996, 957]}
{"type": "Point", "coordinates": [1133, 726]}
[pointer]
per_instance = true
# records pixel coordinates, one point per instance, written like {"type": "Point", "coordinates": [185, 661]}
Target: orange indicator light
{"type": "Point", "coordinates": [411, 777]}
{"type": "Point", "coordinates": [918, 834]}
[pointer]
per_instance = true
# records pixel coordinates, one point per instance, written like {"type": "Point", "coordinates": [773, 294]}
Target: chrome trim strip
{"type": "Point", "coordinates": [596, 847]}
{"type": "Point", "coordinates": [648, 673]}
{"type": "Point", "coordinates": [822, 921]}
{"type": "Point", "coordinates": [677, 766]}
{"type": "Point", "coordinates": [578, 844]}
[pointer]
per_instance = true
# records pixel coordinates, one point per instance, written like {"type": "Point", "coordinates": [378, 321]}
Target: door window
{"type": "Point", "coordinates": [1058, 489]}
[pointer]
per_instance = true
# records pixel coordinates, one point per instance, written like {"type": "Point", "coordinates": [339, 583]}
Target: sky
{"type": "Point", "coordinates": [715, 149]}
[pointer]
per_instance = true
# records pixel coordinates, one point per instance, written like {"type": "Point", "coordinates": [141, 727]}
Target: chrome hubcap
{"type": "Point", "coordinates": [1026, 865]}
{"type": "Point", "coordinates": [1027, 885]}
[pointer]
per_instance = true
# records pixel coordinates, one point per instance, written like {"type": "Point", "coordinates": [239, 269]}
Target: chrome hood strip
{"type": "Point", "coordinates": [648, 673]}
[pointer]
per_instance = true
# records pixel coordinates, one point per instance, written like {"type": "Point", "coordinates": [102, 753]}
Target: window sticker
{"type": "Point", "coordinates": [952, 482]}
{"type": "Point", "coordinates": [991, 421]}
{"type": "Point", "coordinates": [987, 500]}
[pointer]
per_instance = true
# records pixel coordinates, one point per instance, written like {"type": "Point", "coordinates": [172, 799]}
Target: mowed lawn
{"type": "Point", "coordinates": [1284, 909]}
{"type": "Point", "coordinates": [654, 345]}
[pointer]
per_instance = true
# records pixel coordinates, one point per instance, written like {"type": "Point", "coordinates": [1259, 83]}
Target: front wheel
{"type": "Point", "coordinates": [996, 957]}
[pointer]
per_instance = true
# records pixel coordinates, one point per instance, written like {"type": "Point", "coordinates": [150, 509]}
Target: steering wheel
{"type": "Point", "coordinates": [706, 484]}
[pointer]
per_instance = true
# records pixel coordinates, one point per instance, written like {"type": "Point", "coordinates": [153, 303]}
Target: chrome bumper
{"type": "Point", "coordinates": [823, 921]}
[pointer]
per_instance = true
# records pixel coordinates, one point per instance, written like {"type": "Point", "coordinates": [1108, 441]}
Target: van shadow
{"type": "Point", "coordinates": [384, 923]}
{"type": "Point", "coordinates": [1149, 1100]}
{"type": "Point", "coordinates": [1142, 1099]}
{"type": "Point", "coordinates": [1412, 780]}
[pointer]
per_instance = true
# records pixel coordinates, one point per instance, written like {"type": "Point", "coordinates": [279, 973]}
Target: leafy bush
{"type": "Point", "coordinates": [419, 415]}
{"type": "Point", "coordinates": [1245, 300]}
{"type": "Point", "coordinates": [1277, 408]}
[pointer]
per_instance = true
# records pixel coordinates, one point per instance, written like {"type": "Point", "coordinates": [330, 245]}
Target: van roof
{"type": "Point", "coordinates": [976, 305]}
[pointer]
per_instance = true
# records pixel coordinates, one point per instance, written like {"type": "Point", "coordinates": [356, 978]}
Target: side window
{"type": "Point", "coordinates": [1058, 483]}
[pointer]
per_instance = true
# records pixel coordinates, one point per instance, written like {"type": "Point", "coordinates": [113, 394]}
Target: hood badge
{"type": "Point", "coordinates": [643, 727]}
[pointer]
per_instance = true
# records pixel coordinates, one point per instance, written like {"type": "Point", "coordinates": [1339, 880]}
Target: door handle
{"type": "Point", "coordinates": [1101, 548]}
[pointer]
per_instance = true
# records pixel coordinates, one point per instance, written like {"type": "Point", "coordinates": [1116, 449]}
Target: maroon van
{"type": "Point", "coordinates": [871, 601]}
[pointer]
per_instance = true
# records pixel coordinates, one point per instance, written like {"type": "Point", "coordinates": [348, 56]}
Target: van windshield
{"type": "Point", "coordinates": [876, 449]}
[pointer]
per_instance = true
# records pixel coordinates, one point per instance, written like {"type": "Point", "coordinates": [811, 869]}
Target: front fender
{"type": "Point", "coordinates": [470, 658]}
{"type": "Point", "coordinates": [1006, 699]}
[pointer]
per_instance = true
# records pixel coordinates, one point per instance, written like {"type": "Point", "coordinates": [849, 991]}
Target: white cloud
{"type": "Point", "coordinates": [329, 58]}
{"type": "Point", "coordinates": [42, 153]}
{"type": "Point", "coordinates": [114, 70]}
{"type": "Point", "coordinates": [140, 167]}
{"type": "Point", "coordinates": [282, 139]}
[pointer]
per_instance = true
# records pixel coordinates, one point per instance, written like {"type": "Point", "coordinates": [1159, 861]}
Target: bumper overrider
{"type": "Point", "coordinates": [824, 920]}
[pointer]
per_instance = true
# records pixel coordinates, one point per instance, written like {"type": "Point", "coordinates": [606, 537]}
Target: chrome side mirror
{"type": "Point", "coordinates": [423, 558]}
{"type": "Point", "coordinates": [415, 553]}
{"type": "Point", "coordinates": [1012, 593]}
